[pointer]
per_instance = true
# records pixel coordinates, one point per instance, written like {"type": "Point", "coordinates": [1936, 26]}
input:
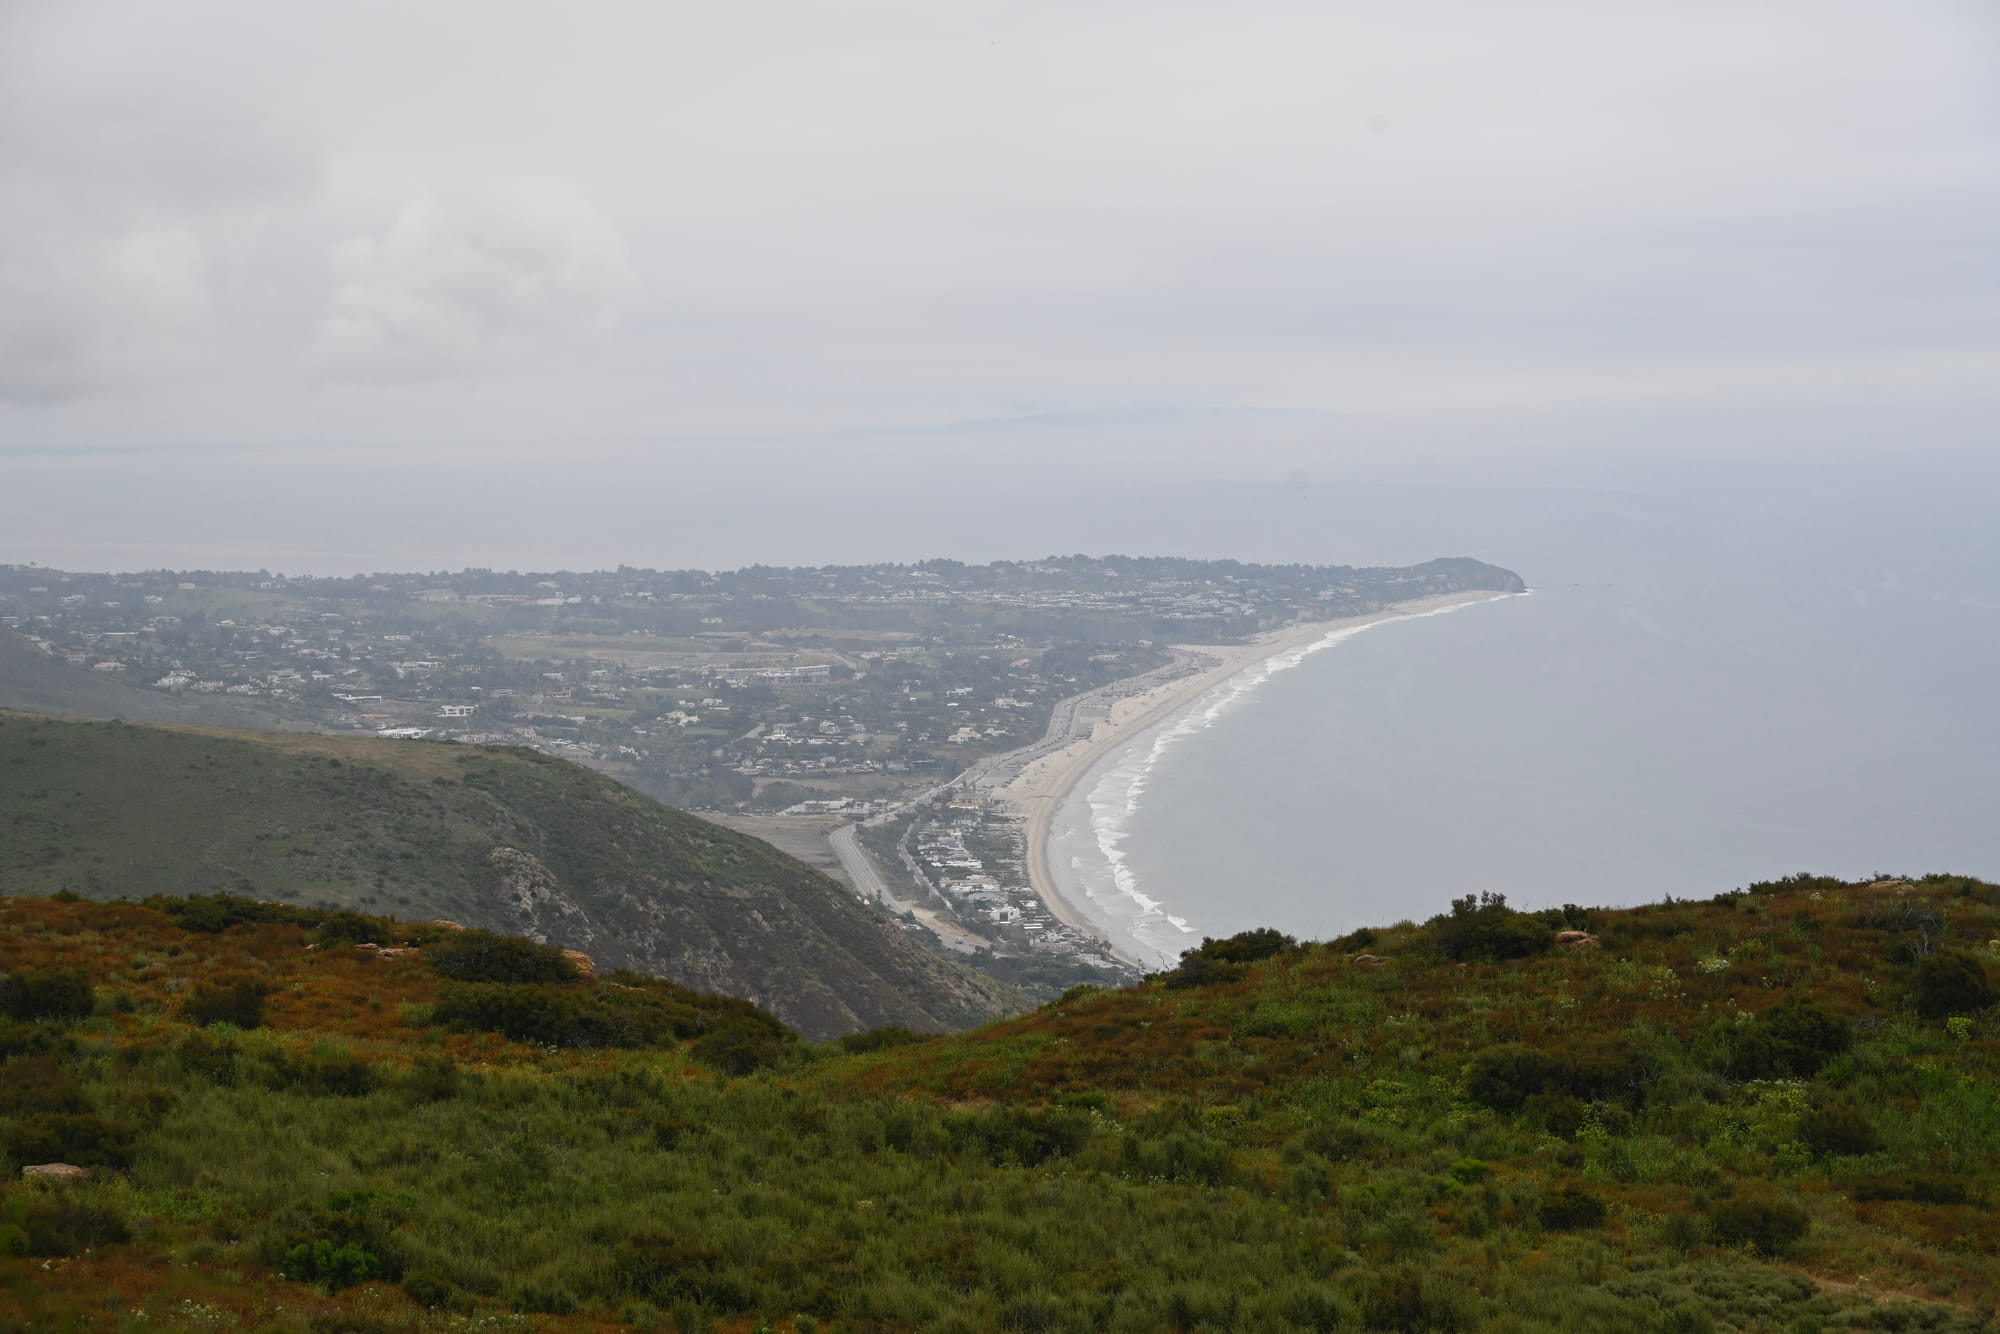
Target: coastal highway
{"type": "Point", "coordinates": [860, 868]}
{"type": "Point", "coordinates": [1069, 721]}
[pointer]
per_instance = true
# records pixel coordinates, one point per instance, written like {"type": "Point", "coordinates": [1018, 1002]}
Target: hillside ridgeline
{"type": "Point", "coordinates": [499, 838]}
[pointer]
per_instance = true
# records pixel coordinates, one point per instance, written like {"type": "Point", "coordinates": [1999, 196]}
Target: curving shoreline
{"type": "Point", "coordinates": [1038, 791]}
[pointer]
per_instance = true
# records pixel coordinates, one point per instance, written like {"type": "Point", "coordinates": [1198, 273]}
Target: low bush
{"type": "Point", "coordinates": [215, 913]}
{"type": "Point", "coordinates": [240, 1003]}
{"type": "Point", "coordinates": [1227, 960]}
{"type": "Point", "coordinates": [1570, 1209]}
{"type": "Point", "coordinates": [1027, 1137]}
{"type": "Point", "coordinates": [663, 1266]}
{"type": "Point", "coordinates": [1486, 930]}
{"type": "Point", "coordinates": [1837, 1131]}
{"type": "Point", "coordinates": [881, 1039]}
{"type": "Point", "coordinates": [64, 1226]}
{"type": "Point", "coordinates": [1178, 1156]}
{"type": "Point", "coordinates": [1401, 1300]}
{"type": "Point", "coordinates": [50, 993]}
{"type": "Point", "coordinates": [740, 1045]}
{"type": "Point", "coordinates": [1793, 1039]}
{"type": "Point", "coordinates": [1917, 1188]}
{"type": "Point", "coordinates": [434, 1078]}
{"type": "Point", "coordinates": [1510, 1076]}
{"type": "Point", "coordinates": [208, 1058]}
{"type": "Point", "coordinates": [435, 1293]}
{"type": "Point", "coordinates": [85, 1139]}
{"type": "Point", "coordinates": [331, 1266]}
{"type": "Point", "coordinates": [1768, 1226]}
{"type": "Point", "coordinates": [323, 1072]}
{"type": "Point", "coordinates": [1952, 982]}
{"type": "Point", "coordinates": [482, 956]}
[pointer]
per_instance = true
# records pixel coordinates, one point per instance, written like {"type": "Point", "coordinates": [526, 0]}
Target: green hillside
{"type": "Point", "coordinates": [499, 838]}
{"type": "Point", "coordinates": [1774, 1111]}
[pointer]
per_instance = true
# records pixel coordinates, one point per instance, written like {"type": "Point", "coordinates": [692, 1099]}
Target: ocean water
{"type": "Point", "coordinates": [1707, 685]}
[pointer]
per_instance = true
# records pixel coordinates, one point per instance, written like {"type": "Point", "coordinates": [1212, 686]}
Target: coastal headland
{"type": "Point", "coordinates": [1104, 720]}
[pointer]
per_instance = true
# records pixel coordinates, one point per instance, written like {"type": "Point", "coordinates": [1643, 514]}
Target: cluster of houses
{"type": "Point", "coordinates": [988, 890]}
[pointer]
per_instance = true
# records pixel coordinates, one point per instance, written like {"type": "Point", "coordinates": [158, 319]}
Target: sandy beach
{"type": "Point", "coordinates": [1040, 788]}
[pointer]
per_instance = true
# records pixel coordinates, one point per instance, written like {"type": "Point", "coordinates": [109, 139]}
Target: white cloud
{"type": "Point", "coordinates": [128, 185]}
{"type": "Point", "coordinates": [462, 289]}
{"type": "Point", "coordinates": [895, 212]}
{"type": "Point", "coordinates": [87, 310]}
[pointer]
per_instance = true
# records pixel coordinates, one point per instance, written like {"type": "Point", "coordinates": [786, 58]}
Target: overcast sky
{"type": "Point", "coordinates": [279, 225]}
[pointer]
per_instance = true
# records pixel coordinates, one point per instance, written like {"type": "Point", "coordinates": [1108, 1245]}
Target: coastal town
{"type": "Point", "coordinates": [897, 700]}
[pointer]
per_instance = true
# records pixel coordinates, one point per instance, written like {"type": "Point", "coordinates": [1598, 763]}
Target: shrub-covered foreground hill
{"type": "Point", "coordinates": [500, 838]}
{"type": "Point", "coordinates": [1776, 1110]}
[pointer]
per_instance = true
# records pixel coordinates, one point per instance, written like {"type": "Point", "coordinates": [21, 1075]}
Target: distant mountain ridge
{"type": "Point", "coordinates": [501, 838]}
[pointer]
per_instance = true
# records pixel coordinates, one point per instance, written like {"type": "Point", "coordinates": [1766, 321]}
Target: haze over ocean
{"type": "Point", "coordinates": [1727, 670]}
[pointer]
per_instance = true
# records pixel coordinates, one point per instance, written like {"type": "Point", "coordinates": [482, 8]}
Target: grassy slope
{"type": "Point", "coordinates": [30, 679]}
{"type": "Point", "coordinates": [1297, 1148]}
{"type": "Point", "coordinates": [412, 828]}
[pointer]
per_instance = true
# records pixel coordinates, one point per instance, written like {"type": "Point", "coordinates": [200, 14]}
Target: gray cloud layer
{"type": "Point", "coordinates": [255, 223]}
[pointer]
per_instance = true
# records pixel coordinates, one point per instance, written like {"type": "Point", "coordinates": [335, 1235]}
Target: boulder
{"type": "Point", "coordinates": [1370, 960]}
{"type": "Point", "coordinates": [584, 964]}
{"type": "Point", "coordinates": [55, 1172]}
{"type": "Point", "coordinates": [1576, 940]}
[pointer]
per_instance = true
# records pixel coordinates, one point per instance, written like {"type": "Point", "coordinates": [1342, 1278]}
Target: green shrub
{"type": "Point", "coordinates": [541, 1298]}
{"type": "Point", "coordinates": [1570, 1209]}
{"type": "Point", "coordinates": [1509, 1076]}
{"type": "Point", "coordinates": [667, 1267]}
{"type": "Point", "coordinates": [332, 1266]}
{"type": "Point", "coordinates": [1400, 1300]}
{"type": "Point", "coordinates": [1838, 1130]}
{"type": "Point", "coordinates": [1792, 1039]}
{"type": "Point", "coordinates": [482, 956]}
{"type": "Point", "coordinates": [433, 1078]}
{"type": "Point", "coordinates": [740, 1046]}
{"type": "Point", "coordinates": [215, 913]}
{"type": "Point", "coordinates": [1952, 982]}
{"type": "Point", "coordinates": [67, 1226]}
{"type": "Point", "coordinates": [240, 1003]}
{"type": "Point", "coordinates": [324, 1072]}
{"type": "Point", "coordinates": [210, 1059]}
{"type": "Point", "coordinates": [1918, 1188]}
{"type": "Point", "coordinates": [1486, 930]}
{"type": "Point", "coordinates": [1769, 1226]}
{"type": "Point", "coordinates": [1229, 959]}
{"type": "Point", "coordinates": [1027, 1137]}
{"type": "Point", "coordinates": [50, 993]}
{"type": "Point", "coordinates": [1178, 1156]}
{"type": "Point", "coordinates": [544, 1014]}
{"type": "Point", "coordinates": [31, 1084]}
{"type": "Point", "coordinates": [85, 1139]}
{"type": "Point", "coordinates": [436, 1293]}
{"type": "Point", "coordinates": [880, 1039]}
{"type": "Point", "coordinates": [349, 928]}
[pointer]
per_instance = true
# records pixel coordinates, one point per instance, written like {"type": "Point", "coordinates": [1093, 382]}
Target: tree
{"type": "Point", "coordinates": [1486, 930]}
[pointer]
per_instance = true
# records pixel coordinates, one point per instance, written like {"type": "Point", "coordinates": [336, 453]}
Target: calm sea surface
{"type": "Point", "coordinates": [1705, 687]}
